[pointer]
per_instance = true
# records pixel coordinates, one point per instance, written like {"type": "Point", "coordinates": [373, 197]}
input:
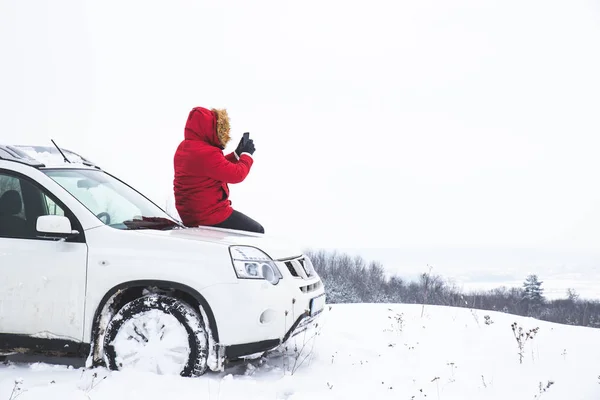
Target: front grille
{"type": "Point", "coordinates": [301, 268]}
{"type": "Point", "coordinates": [311, 288]}
{"type": "Point", "coordinates": [310, 271]}
{"type": "Point", "coordinates": [291, 268]}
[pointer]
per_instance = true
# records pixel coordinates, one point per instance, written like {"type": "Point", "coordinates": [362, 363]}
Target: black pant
{"type": "Point", "coordinates": [242, 222]}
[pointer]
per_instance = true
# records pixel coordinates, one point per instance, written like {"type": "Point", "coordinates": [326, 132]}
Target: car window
{"type": "Point", "coordinates": [8, 184]}
{"type": "Point", "coordinates": [21, 203]}
{"type": "Point", "coordinates": [51, 207]}
{"type": "Point", "coordinates": [110, 200]}
{"type": "Point", "coordinates": [100, 198]}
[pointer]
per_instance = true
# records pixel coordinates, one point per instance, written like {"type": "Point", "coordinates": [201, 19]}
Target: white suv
{"type": "Point", "coordinates": [92, 268]}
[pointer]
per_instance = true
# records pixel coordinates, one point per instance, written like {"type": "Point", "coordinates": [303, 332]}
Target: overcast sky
{"type": "Point", "coordinates": [470, 126]}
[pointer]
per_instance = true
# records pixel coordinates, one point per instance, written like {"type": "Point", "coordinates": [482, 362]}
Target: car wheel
{"type": "Point", "coordinates": [157, 333]}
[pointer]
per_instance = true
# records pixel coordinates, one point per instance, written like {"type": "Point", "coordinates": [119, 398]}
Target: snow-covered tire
{"type": "Point", "coordinates": [147, 328]}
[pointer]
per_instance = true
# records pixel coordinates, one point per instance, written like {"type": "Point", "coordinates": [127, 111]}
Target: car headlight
{"type": "Point", "coordinates": [252, 263]}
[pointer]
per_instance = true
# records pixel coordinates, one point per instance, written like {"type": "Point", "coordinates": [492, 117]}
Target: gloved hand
{"type": "Point", "coordinates": [248, 147]}
{"type": "Point", "coordinates": [240, 148]}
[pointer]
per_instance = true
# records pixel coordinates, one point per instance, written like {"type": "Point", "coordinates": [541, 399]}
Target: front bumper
{"type": "Point", "coordinates": [254, 316]}
{"type": "Point", "coordinates": [303, 322]}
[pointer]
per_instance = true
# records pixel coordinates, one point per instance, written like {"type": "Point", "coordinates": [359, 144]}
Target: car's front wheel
{"type": "Point", "coordinates": [159, 334]}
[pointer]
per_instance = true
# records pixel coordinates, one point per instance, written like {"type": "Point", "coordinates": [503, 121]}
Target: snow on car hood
{"type": "Point", "coordinates": [276, 248]}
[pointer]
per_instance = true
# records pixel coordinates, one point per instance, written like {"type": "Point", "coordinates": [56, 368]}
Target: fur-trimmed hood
{"type": "Point", "coordinates": [210, 126]}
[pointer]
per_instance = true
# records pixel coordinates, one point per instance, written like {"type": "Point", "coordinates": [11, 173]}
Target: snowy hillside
{"type": "Point", "coordinates": [367, 351]}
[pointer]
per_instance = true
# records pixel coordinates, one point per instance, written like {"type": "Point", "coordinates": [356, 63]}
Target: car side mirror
{"type": "Point", "coordinates": [55, 226]}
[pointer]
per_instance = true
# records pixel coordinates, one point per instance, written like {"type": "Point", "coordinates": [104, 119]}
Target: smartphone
{"type": "Point", "coordinates": [246, 136]}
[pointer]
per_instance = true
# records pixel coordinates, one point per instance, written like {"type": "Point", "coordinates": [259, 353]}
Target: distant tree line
{"type": "Point", "coordinates": [352, 280]}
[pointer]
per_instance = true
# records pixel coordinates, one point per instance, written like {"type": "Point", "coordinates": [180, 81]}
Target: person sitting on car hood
{"type": "Point", "coordinates": [203, 173]}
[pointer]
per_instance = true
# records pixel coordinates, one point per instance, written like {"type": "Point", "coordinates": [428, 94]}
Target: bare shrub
{"type": "Point", "coordinates": [522, 338]}
{"type": "Point", "coordinates": [17, 389]}
{"type": "Point", "coordinates": [543, 388]}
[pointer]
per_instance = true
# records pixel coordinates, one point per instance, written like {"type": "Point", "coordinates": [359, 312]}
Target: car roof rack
{"type": "Point", "coordinates": [17, 153]}
{"type": "Point", "coordinates": [10, 153]}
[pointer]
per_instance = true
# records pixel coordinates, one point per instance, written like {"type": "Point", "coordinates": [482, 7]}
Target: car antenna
{"type": "Point", "coordinates": [63, 154]}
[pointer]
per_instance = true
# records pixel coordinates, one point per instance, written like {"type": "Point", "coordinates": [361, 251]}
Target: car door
{"type": "Point", "coordinates": [42, 289]}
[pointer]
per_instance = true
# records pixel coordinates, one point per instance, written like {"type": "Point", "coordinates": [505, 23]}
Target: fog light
{"type": "Point", "coordinates": [267, 316]}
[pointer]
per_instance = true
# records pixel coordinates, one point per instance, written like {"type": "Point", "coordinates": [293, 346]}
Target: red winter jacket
{"type": "Point", "coordinates": [203, 172]}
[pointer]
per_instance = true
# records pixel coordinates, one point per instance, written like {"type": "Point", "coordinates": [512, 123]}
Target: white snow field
{"type": "Point", "coordinates": [365, 351]}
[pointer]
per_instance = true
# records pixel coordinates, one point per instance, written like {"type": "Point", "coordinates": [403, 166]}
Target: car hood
{"type": "Point", "coordinates": [276, 248]}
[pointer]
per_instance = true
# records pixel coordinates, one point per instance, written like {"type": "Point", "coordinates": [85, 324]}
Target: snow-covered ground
{"type": "Point", "coordinates": [366, 351]}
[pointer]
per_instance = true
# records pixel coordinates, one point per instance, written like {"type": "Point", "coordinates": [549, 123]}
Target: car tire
{"type": "Point", "coordinates": [157, 333]}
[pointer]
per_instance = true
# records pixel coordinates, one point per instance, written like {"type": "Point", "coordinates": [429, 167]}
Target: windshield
{"type": "Point", "coordinates": [114, 203]}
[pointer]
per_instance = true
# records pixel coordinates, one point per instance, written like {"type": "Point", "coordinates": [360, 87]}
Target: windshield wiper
{"type": "Point", "coordinates": [151, 223]}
